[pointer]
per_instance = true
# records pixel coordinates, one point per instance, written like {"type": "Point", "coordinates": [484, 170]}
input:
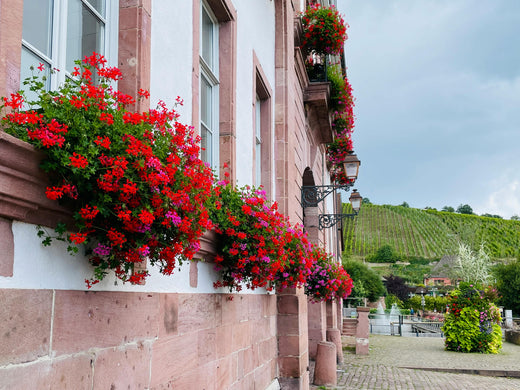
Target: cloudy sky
{"type": "Point", "coordinates": [437, 88]}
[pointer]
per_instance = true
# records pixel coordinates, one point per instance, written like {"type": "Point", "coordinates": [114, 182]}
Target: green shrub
{"type": "Point", "coordinates": [472, 324]}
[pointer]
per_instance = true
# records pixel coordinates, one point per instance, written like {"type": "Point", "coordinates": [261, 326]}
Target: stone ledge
{"type": "Point", "coordinates": [22, 185]}
{"type": "Point", "coordinates": [316, 98]}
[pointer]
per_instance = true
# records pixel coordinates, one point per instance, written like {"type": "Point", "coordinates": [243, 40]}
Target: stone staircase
{"type": "Point", "coordinates": [349, 326]}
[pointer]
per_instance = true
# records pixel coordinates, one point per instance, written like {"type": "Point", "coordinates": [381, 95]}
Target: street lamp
{"type": "Point", "coordinates": [312, 195]}
{"type": "Point", "coordinates": [329, 220]}
{"type": "Point", "coordinates": [351, 165]}
{"type": "Point", "coordinates": [355, 200]}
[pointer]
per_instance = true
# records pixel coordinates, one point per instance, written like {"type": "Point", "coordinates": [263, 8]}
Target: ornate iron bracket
{"type": "Point", "coordinates": [312, 195]}
{"type": "Point", "coordinates": [329, 220]}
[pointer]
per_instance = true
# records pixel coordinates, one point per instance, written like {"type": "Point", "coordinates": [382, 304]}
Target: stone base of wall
{"type": "Point", "coordinates": [512, 336]}
{"type": "Point", "coordinates": [84, 340]}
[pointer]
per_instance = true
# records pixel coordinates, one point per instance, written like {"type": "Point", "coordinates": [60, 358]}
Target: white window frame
{"type": "Point", "coordinates": [211, 75]}
{"type": "Point", "coordinates": [59, 38]}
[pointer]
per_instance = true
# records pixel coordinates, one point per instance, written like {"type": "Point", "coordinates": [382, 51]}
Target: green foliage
{"type": "Point", "coordinates": [371, 282]}
{"type": "Point", "coordinates": [428, 234]}
{"type": "Point", "coordinates": [390, 299]}
{"type": "Point", "coordinates": [385, 254]}
{"type": "Point", "coordinates": [448, 209]}
{"type": "Point", "coordinates": [508, 284]}
{"type": "Point", "coordinates": [437, 303]}
{"type": "Point", "coordinates": [464, 209]}
{"type": "Point", "coordinates": [472, 323]}
{"type": "Point", "coordinates": [337, 83]}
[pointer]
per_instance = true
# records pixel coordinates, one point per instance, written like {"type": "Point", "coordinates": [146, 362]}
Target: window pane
{"type": "Point", "coordinates": [28, 60]}
{"type": "Point", "coordinates": [206, 154]}
{"type": "Point", "coordinates": [85, 33]}
{"type": "Point", "coordinates": [206, 101]}
{"type": "Point", "coordinates": [207, 38]}
{"type": "Point", "coordinates": [98, 5]}
{"type": "Point", "coordinates": [258, 118]}
{"type": "Point", "coordinates": [37, 24]}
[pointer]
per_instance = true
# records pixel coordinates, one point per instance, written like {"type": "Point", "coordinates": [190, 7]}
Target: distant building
{"type": "Point", "coordinates": [442, 273]}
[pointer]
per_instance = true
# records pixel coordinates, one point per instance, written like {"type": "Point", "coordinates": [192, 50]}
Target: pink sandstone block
{"type": "Point", "coordinates": [249, 359]}
{"type": "Point", "coordinates": [291, 366]}
{"type": "Point", "coordinates": [266, 350]}
{"type": "Point", "coordinates": [226, 372]}
{"type": "Point", "coordinates": [6, 248]}
{"type": "Point", "coordinates": [288, 304]}
{"type": "Point", "coordinates": [247, 382]}
{"type": "Point", "coordinates": [194, 273]}
{"type": "Point", "coordinates": [86, 320]}
{"type": "Point", "coordinates": [241, 335]}
{"type": "Point", "coordinates": [224, 340]}
{"type": "Point", "coordinates": [123, 368]}
{"type": "Point", "coordinates": [228, 310]}
{"type": "Point", "coordinates": [166, 355]}
{"type": "Point", "coordinates": [269, 305]}
{"type": "Point", "coordinates": [255, 307]}
{"type": "Point", "coordinates": [290, 345]}
{"type": "Point", "coordinates": [70, 373]}
{"type": "Point", "coordinates": [325, 368]}
{"type": "Point", "coordinates": [288, 325]}
{"type": "Point", "coordinates": [263, 377]}
{"type": "Point", "coordinates": [207, 346]}
{"type": "Point", "coordinates": [196, 311]}
{"type": "Point", "coordinates": [25, 325]}
{"type": "Point", "coordinates": [362, 346]}
{"type": "Point", "coordinates": [202, 377]}
{"type": "Point", "coordinates": [261, 329]}
{"type": "Point", "coordinates": [168, 314]}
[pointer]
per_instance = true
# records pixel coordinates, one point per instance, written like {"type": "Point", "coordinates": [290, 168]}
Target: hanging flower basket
{"type": "Point", "coordinates": [134, 182]}
{"type": "Point", "coordinates": [324, 30]}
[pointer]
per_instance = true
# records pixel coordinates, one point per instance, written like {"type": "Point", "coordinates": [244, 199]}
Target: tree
{"type": "Point", "coordinates": [473, 268]}
{"type": "Point", "coordinates": [508, 284]}
{"type": "Point", "coordinates": [464, 209]}
{"type": "Point", "coordinates": [366, 201]}
{"type": "Point", "coordinates": [369, 279]}
{"type": "Point", "coordinates": [405, 204]}
{"type": "Point", "coordinates": [396, 286]}
{"type": "Point", "coordinates": [515, 218]}
{"type": "Point", "coordinates": [385, 254]}
{"type": "Point", "coordinates": [491, 215]}
{"type": "Point", "coordinates": [449, 209]}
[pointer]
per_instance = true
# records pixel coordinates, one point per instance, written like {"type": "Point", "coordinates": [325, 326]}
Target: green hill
{"type": "Point", "coordinates": [427, 233]}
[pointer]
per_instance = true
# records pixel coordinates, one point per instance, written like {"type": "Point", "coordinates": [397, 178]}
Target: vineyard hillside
{"type": "Point", "coordinates": [427, 233]}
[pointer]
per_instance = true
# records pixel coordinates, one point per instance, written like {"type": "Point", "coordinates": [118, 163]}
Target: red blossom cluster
{"type": "Point", "coordinates": [135, 181]}
{"type": "Point", "coordinates": [327, 279]}
{"type": "Point", "coordinates": [258, 247]}
{"type": "Point", "coordinates": [324, 30]}
{"type": "Point", "coordinates": [343, 126]}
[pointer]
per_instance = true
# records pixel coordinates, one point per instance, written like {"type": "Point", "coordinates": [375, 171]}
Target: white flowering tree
{"type": "Point", "coordinates": [473, 267]}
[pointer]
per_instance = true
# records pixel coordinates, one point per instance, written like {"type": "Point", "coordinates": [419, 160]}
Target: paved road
{"type": "Point", "coordinates": [383, 367]}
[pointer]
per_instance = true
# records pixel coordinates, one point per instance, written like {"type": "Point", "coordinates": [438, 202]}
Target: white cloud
{"type": "Point", "coordinates": [504, 200]}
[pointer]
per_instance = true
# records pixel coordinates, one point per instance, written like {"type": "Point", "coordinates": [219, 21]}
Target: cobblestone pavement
{"type": "Point", "coordinates": [383, 367]}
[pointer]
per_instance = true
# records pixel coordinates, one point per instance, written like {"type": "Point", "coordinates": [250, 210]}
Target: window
{"type": "Point", "coordinates": [209, 85]}
{"type": "Point", "coordinates": [262, 127]}
{"type": "Point", "coordinates": [258, 141]}
{"type": "Point", "coordinates": [58, 32]}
